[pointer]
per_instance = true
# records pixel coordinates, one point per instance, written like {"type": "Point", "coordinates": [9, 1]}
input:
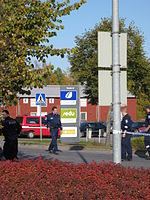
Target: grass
{"type": "Point", "coordinates": [93, 144]}
{"type": "Point", "coordinates": [35, 141]}
{"type": "Point", "coordinates": [137, 143]}
{"type": "Point", "coordinates": [46, 141]}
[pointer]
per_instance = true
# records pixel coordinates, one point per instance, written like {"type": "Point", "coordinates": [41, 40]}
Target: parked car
{"type": "Point", "coordinates": [95, 126]}
{"type": "Point", "coordinates": [31, 126]}
{"type": "Point", "coordinates": [138, 126]}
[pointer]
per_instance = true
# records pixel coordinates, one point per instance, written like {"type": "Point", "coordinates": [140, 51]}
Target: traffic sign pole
{"type": "Point", "coordinates": [40, 124]}
{"type": "Point", "coordinates": [41, 101]}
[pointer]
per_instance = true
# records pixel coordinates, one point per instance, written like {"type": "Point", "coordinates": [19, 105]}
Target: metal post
{"type": "Point", "coordinates": [99, 136]}
{"type": "Point", "coordinates": [116, 82]}
{"type": "Point", "coordinates": [87, 134]}
{"type": "Point", "coordinates": [40, 123]}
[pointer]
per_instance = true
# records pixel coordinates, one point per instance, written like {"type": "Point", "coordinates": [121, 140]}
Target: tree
{"type": "Point", "coordinates": [58, 77]}
{"type": "Point", "coordinates": [84, 60]}
{"type": "Point", "coordinates": [26, 27]}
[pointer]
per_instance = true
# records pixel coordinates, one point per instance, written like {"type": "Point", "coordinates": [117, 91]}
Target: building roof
{"type": "Point", "coordinates": [49, 91]}
{"type": "Point", "coordinates": [53, 91]}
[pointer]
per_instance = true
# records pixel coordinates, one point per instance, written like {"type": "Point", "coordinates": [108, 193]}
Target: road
{"type": "Point", "coordinates": [77, 154]}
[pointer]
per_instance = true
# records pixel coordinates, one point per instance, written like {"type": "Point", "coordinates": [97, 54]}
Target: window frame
{"type": "Point", "coordinates": [85, 116]}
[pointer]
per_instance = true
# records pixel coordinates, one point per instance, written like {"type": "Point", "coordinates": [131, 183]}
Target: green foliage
{"type": "Point", "coordinates": [142, 102]}
{"type": "Point", "coordinates": [138, 143]}
{"type": "Point", "coordinates": [59, 77]}
{"type": "Point", "coordinates": [84, 61]}
{"type": "Point", "coordinates": [26, 27]}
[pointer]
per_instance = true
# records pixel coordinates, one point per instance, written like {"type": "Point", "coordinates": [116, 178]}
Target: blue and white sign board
{"type": "Point", "coordinates": [68, 97]}
{"type": "Point", "coordinates": [40, 99]}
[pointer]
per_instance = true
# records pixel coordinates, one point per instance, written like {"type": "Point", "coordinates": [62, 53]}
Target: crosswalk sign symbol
{"type": "Point", "coordinates": [40, 99]}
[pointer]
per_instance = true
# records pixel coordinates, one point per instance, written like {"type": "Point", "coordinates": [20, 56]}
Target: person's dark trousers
{"type": "Point", "coordinates": [147, 143]}
{"type": "Point", "coordinates": [126, 148]}
{"type": "Point", "coordinates": [10, 149]}
{"type": "Point", "coordinates": [53, 145]}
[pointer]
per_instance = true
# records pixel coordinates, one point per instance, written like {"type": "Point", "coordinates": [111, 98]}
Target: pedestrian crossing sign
{"type": "Point", "coordinates": [40, 99]}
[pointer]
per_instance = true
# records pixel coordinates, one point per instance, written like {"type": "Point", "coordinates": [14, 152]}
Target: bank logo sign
{"type": "Point", "coordinates": [69, 132]}
{"type": "Point", "coordinates": [68, 97]}
{"type": "Point", "coordinates": [68, 115]}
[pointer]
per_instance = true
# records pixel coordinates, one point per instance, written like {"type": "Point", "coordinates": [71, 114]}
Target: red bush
{"type": "Point", "coordinates": [45, 179]}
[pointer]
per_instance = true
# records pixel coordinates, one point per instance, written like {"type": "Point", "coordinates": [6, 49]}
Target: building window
{"type": "Point", "coordinates": [33, 102]}
{"type": "Point", "coordinates": [83, 102]}
{"type": "Point", "coordinates": [25, 100]}
{"type": "Point", "coordinates": [51, 100]}
{"type": "Point", "coordinates": [33, 114]}
{"type": "Point", "coordinates": [83, 116]}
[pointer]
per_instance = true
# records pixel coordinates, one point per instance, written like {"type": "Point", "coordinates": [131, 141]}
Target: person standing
{"type": "Point", "coordinates": [126, 125]}
{"type": "Point", "coordinates": [147, 130]}
{"type": "Point", "coordinates": [54, 124]}
{"type": "Point", "coordinates": [11, 129]}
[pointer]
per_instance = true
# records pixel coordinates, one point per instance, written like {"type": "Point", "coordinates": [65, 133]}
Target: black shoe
{"type": "Point", "coordinates": [54, 152]}
{"type": "Point", "coordinates": [129, 159]}
{"type": "Point", "coordinates": [59, 150]}
{"type": "Point", "coordinates": [123, 159]}
{"type": "Point", "coordinates": [147, 158]}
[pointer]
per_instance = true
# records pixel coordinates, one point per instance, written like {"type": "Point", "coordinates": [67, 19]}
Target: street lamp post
{"type": "Point", "coordinates": [116, 82]}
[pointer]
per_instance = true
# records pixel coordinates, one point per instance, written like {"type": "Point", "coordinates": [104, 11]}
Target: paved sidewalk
{"type": "Point", "coordinates": [77, 154]}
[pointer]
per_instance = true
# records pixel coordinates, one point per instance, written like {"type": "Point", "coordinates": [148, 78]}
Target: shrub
{"type": "Point", "coordinates": [44, 179]}
{"type": "Point", "coordinates": [138, 143]}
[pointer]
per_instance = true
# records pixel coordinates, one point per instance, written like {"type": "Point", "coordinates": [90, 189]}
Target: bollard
{"type": "Point", "coordinates": [90, 133]}
{"type": "Point", "coordinates": [99, 136]}
{"type": "Point", "coordinates": [87, 133]}
{"type": "Point", "coordinates": [104, 134]}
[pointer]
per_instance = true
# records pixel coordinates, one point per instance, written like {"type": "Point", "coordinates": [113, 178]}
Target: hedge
{"type": "Point", "coordinates": [44, 179]}
{"type": "Point", "coordinates": [138, 143]}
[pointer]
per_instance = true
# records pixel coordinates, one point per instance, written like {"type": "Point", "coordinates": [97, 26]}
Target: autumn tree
{"type": "Point", "coordinates": [59, 77]}
{"type": "Point", "coordinates": [26, 27]}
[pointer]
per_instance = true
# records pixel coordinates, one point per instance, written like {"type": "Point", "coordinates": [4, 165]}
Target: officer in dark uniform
{"type": "Point", "coordinates": [126, 126]}
{"type": "Point", "coordinates": [147, 138]}
{"type": "Point", "coordinates": [54, 123]}
{"type": "Point", "coordinates": [11, 129]}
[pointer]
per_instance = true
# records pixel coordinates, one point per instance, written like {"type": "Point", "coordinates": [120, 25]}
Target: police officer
{"type": "Point", "coordinates": [126, 125]}
{"type": "Point", "coordinates": [11, 129]}
{"type": "Point", "coordinates": [147, 130]}
{"type": "Point", "coordinates": [54, 123]}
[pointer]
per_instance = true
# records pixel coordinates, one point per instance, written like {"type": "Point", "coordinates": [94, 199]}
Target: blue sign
{"type": "Point", "coordinates": [40, 99]}
{"type": "Point", "coordinates": [68, 97]}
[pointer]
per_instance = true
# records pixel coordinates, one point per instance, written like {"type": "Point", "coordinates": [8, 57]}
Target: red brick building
{"type": "Point", "coordinates": [27, 106]}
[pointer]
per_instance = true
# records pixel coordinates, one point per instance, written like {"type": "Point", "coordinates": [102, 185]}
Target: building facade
{"type": "Point", "coordinates": [26, 105]}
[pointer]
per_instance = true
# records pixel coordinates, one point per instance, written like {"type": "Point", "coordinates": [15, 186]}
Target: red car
{"type": "Point", "coordinates": [31, 126]}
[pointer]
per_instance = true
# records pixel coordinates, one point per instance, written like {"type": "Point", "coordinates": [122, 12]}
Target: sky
{"type": "Point", "coordinates": [90, 14]}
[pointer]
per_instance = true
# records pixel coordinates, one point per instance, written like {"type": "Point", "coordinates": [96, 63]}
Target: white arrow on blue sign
{"type": "Point", "coordinates": [40, 99]}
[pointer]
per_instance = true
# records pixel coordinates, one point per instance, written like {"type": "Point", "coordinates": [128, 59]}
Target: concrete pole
{"type": "Point", "coordinates": [116, 82]}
